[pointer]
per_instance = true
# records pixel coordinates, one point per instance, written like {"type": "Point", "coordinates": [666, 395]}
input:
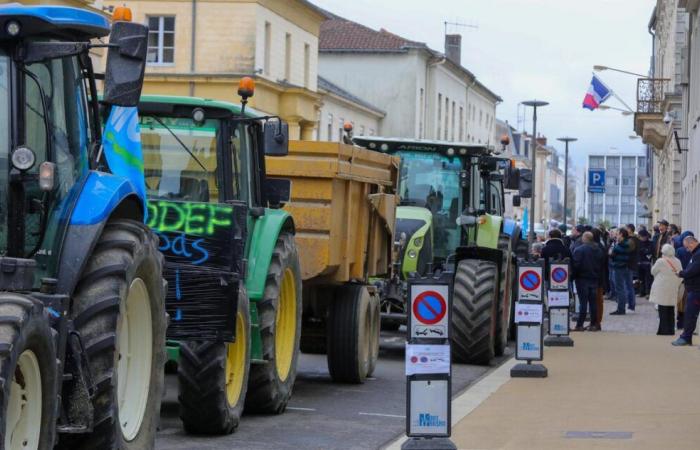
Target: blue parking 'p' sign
{"type": "Point", "coordinates": [596, 181]}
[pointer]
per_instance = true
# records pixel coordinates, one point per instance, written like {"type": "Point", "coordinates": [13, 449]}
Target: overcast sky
{"type": "Point", "coordinates": [542, 49]}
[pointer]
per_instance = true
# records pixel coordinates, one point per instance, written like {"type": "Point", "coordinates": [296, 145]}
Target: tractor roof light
{"type": "Point", "coordinates": [246, 87]}
{"type": "Point", "coordinates": [23, 158]}
{"type": "Point", "coordinates": [122, 14]}
{"type": "Point", "coordinates": [462, 151]}
{"type": "Point", "coordinates": [450, 151]}
{"type": "Point", "coordinates": [347, 127]}
{"type": "Point", "coordinates": [13, 28]}
{"type": "Point", "coordinates": [384, 147]}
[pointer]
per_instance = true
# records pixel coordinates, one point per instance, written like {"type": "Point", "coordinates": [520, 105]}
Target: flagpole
{"type": "Point", "coordinates": [614, 94]}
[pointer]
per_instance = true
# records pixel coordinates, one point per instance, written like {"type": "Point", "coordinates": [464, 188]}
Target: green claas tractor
{"type": "Point", "coordinates": [234, 294]}
{"type": "Point", "coordinates": [82, 316]}
{"type": "Point", "coordinates": [451, 221]}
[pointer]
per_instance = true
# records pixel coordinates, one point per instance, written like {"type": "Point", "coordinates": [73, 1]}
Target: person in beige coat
{"type": "Point", "coordinates": [664, 289]}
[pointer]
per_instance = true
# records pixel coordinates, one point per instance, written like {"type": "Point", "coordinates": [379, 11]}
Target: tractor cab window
{"type": "Point", "coordinates": [495, 204]}
{"type": "Point", "coordinates": [431, 180]}
{"type": "Point", "coordinates": [4, 145]}
{"type": "Point", "coordinates": [180, 160]}
{"type": "Point", "coordinates": [242, 162]}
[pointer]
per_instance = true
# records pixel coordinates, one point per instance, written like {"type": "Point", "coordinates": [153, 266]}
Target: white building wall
{"type": "Point", "coordinates": [335, 112]}
{"type": "Point", "coordinates": [480, 127]}
{"type": "Point", "coordinates": [690, 212]}
{"type": "Point", "coordinates": [448, 95]}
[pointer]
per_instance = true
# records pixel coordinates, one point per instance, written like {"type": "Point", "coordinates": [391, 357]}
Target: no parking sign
{"type": "Point", "coordinates": [530, 281]}
{"type": "Point", "coordinates": [559, 277]}
{"type": "Point", "coordinates": [429, 311]}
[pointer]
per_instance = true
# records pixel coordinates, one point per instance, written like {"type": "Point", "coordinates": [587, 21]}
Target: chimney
{"type": "Point", "coordinates": [453, 48]}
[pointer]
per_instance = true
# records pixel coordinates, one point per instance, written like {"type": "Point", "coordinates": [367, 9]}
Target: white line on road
{"type": "Point", "coordinates": [382, 415]}
{"type": "Point", "coordinates": [296, 408]}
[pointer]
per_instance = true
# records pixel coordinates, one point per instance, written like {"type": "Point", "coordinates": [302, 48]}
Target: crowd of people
{"type": "Point", "coordinates": [623, 263]}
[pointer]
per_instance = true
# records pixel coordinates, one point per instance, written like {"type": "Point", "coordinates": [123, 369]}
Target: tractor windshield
{"type": "Point", "coordinates": [4, 143]}
{"type": "Point", "coordinates": [180, 158]}
{"type": "Point", "coordinates": [431, 180]}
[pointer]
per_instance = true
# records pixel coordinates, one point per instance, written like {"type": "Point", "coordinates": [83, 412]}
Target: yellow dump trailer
{"type": "Point", "coordinates": [343, 200]}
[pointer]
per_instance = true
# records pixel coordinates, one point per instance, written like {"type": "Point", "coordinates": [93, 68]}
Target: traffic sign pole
{"type": "Point", "coordinates": [559, 299]}
{"type": "Point", "coordinates": [528, 318]}
{"type": "Point", "coordinates": [428, 365]}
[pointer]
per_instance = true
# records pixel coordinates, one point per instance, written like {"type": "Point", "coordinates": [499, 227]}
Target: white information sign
{"type": "Point", "coordinates": [530, 283]}
{"type": "Point", "coordinates": [427, 359]}
{"type": "Point", "coordinates": [529, 343]}
{"type": "Point", "coordinates": [559, 276]}
{"type": "Point", "coordinates": [429, 407]}
{"type": "Point", "coordinates": [528, 313]}
{"type": "Point", "coordinates": [429, 311]}
{"type": "Point", "coordinates": [558, 299]}
{"type": "Point", "coordinates": [559, 321]}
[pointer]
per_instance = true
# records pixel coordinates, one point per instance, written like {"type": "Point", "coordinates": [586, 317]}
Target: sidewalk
{"type": "Point", "coordinates": [625, 381]}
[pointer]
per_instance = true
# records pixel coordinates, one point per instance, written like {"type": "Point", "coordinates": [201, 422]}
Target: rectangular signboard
{"type": "Point", "coordinates": [530, 286]}
{"type": "Point", "coordinates": [596, 181]}
{"type": "Point", "coordinates": [529, 343]}
{"type": "Point", "coordinates": [558, 321]}
{"type": "Point", "coordinates": [558, 299]}
{"type": "Point", "coordinates": [559, 276]}
{"type": "Point", "coordinates": [528, 313]}
{"type": "Point", "coordinates": [427, 359]}
{"type": "Point", "coordinates": [428, 413]}
{"type": "Point", "coordinates": [429, 311]}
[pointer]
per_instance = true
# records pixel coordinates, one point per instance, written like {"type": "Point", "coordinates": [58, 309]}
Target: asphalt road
{"type": "Point", "coordinates": [321, 414]}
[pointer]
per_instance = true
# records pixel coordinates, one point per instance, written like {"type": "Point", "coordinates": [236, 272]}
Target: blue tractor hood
{"type": "Point", "coordinates": [55, 21]}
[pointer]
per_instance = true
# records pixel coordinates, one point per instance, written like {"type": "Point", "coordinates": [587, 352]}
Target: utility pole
{"type": "Point", "coordinates": [535, 104]}
{"type": "Point", "coordinates": [566, 141]}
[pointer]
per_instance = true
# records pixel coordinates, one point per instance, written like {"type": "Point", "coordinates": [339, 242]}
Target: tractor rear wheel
{"type": "Point", "coordinates": [119, 311]}
{"type": "Point", "coordinates": [213, 378]}
{"type": "Point", "coordinates": [28, 372]}
{"type": "Point", "coordinates": [353, 334]}
{"type": "Point", "coordinates": [474, 312]}
{"type": "Point", "coordinates": [270, 383]}
{"type": "Point", "coordinates": [505, 297]}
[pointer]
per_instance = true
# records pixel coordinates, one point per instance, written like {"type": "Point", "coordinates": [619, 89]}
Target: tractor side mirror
{"type": "Point", "coordinates": [516, 201]}
{"type": "Point", "coordinates": [525, 183]}
{"type": "Point", "coordinates": [276, 139]}
{"type": "Point", "coordinates": [126, 62]}
{"type": "Point", "coordinates": [278, 191]}
{"type": "Point", "coordinates": [511, 178]}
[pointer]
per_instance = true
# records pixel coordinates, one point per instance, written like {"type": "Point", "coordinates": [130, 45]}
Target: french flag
{"type": "Point", "coordinates": [597, 93]}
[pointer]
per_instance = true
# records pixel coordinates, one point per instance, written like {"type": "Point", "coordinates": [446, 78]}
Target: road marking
{"type": "Point", "coordinates": [382, 415]}
{"type": "Point", "coordinates": [470, 399]}
{"type": "Point", "coordinates": [296, 408]}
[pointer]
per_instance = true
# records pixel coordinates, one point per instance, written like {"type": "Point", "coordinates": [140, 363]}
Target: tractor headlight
{"type": "Point", "coordinates": [418, 242]}
{"type": "Point", "coordinates": [23, 158]}
{"type": "Point", "coordinates": [412, 254]}
{"type": "Point", "coordinates": [13, 28]}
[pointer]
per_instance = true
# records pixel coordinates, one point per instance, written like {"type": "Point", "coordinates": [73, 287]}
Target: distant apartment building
{"type": "Point", "coordinates": [619, 203]}
{"type": "Point", "coordinates": [426, 94]}
{"type": "Point", "coordinates": [340, 106]}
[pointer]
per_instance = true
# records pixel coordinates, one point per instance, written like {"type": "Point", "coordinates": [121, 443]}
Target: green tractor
{"type": "Point", "coordinates": [451, 222]}
{"type": "Point", "coordinates": [231, 261]}
{"type": "Point", "coordinates": [82, 315]}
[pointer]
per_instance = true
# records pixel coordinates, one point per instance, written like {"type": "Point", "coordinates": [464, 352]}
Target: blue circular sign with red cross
{"type": "Point", "coordinates": [429, 307]}
{"type": "Point", "coordinates": [559, 275]}
{"type": "Point", "coordinates": [530, 280]}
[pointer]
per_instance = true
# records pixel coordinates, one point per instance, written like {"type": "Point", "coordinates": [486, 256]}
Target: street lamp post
{"type": "Point", "coordinates": [535, 104]}
{"type": "Point", "coordinates": [566, 141]}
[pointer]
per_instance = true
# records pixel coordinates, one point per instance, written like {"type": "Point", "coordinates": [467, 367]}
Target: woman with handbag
{"type": "Point", "coordinates": [664, 289]}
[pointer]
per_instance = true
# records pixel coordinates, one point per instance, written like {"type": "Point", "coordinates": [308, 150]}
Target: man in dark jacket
{"type": "Point", "coordinates": [682, 253]}
{"type": "Point", "coordinates": [576, 234]}
{"type": "Point", "coordinates": [554, 249]}
{"type": "Point", "coordinates": [663, 237]}
{"type": "Point", "coordinates": [646, 250]}
{"type": "Point", "coordinates": [691, 279]}
{"type": "Point", "coordinates": [633, 266]}
{"type": "Point", "coordinates": [586, 271]}
{"type": "Point", "coordinates": [620, 254]}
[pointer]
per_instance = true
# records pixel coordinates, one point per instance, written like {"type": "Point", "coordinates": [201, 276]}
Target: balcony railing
{"type": "Point", "coordinates": [650, 94]}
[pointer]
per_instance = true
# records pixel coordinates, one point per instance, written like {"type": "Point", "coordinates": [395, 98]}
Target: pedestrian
{"type": "Point", "coordinates": [661, 238]}
{"type": "Point", "coordinates": [664, 290]}
{"type": "Point", "coordinates": [555, 249]}
{"type": "Point", "coordinates": [537, 249]}
{"type": "Point", "coordinates": [684, 256]}
{"type": "Point", "coordinates": [600, 291]}
{"type": "Point", "coordinates": [633, 265]}
{"type": "Point", "coordinates": [675, 232]}
{"type": "Point", "coordinates": [620, 263]}
{"type": "Point", "coordinates": [586, 270]}
{"type": "Point", "coordinates": [646, 251]}
{"type": "Point", "coordinates": [576, 237]}
{"type": "Point", "coordinates": [566, 239]}
{"type": "Point", "coordinates": [612, 293]}
{"type": "Point", "coordinates": [681, 252]}
{"type": "Point", "coordinates": [691, 280]}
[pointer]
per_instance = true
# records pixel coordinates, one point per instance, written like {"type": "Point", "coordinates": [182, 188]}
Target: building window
{"type": "Point", "coordinates": [307, 65]}
{"type": "Point", "coordinates": [628, 163]}
{"type": "Point", "coordinates": [453, 121]}
{"type": "Point", "coordinates": [461, 123]}
{"type": "Point", "coordinates": [447, 117]}
{"type": "Point", "coordinates": [330, 127]}
{"type": "Point", "coordinates": [288, 57]}
{"type": "Point", "coordinates": [481, 118]}
{"type": "Point", "coordinates": [439, 117]}
{"type": "Point", "coordinates": [268, 46]}
{"type": "Point", "coordinates": [420, 113]}
{"type": "Point", "coordinates": [597, 162]}
{"type": "Point", "coordinates": [341, 123]}
{"type": "Point", "coordinates": [161, 40]}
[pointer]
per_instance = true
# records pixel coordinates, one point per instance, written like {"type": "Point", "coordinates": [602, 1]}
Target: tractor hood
{"type": "Point", "coordinates": [55, 21]}
{"type": "Point", "coordinates": [416, 223]}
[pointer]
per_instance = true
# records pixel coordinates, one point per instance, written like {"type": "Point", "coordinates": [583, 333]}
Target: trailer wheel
{"type": "Point", "coordinates": [374, 333]}
{"type": "Point", "coordinates": [28, 372]}
{"type": "Point", "coordinates": [474, 312]}
{"type": "Point", "coordinates": [213, 378]}
{"type": "Point", "coordinates": [270, 383]}
{"type": "Point", "coordinates": [119, 311]}
{"type": "Point", "coordinates": [350, 326]}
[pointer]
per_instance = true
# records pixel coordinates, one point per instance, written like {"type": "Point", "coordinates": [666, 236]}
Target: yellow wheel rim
{"type": "Point", "coordinates": [285, 325]}
{"type": "Point", "coordinates": [235, 362]}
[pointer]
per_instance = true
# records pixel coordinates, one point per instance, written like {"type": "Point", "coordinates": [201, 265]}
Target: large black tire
{"type": "Point", "coordinates": [505, 295]}
{"type": "Point", "coordinates": [206, 405]}
{"type": "Point", "coordinates": [268, 389]}
{"type": "Point", "coordinates": [474, 312]}
{"type": "Point", "coordinates": [24, 330]}
{"type": "Point", "coordinates": [126, 252]}
{"type": "Point", "coordinates": [351, 323]}
{"type": "Point", "coordinates": [375, 320]}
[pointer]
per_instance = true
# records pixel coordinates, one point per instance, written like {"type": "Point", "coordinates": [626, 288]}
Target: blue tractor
{"type": "Point", "coordinates": [82, 318]}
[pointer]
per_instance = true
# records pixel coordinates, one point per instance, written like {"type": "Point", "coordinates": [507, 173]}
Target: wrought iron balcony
{"type": "Point", "coordinates": [650, 95]}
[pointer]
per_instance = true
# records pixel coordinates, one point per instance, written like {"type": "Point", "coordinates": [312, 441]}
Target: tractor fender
{"type": "Point", "coordinates": [265, 233]}
{"type": "Point", "coordinates": [102, 196]}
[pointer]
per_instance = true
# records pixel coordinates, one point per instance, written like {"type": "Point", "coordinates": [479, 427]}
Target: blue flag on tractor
{"type": "Point", "coordinates": [122, 147]}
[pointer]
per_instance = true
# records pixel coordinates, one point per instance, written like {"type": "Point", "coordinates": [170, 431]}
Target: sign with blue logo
{"type": "Point", "coordinates": [558, 321]}
{"type": "Point", "coordinates": [596, 181]}
{"type": "Point", "coordinates": [429, 413]}
{"type": "Point", "coordinates": [529, 343]}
